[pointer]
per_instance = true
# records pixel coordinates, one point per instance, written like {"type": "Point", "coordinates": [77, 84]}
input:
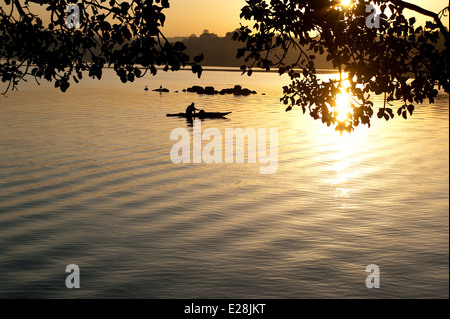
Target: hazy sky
{"type": "Point", "coordinates": [185, 17]}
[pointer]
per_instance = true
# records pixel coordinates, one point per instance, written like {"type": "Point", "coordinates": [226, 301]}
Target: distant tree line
{"type": "Point", "coordinates": [223, 51]}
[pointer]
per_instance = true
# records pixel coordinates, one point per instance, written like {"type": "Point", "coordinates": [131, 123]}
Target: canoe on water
{"type": "Point", "coordinates": [205, 115]}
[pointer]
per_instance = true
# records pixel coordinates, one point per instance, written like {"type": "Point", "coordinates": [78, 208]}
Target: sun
{"type": "Point", "coordinates": [346, 3]}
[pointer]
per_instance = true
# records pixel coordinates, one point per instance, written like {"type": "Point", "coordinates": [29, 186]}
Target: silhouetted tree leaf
{"type": "Point", "coordinates": [199, 58]}
{"type": "Point", "coordinates": [124, 6]}
{"type": "Point", "coordinates": [380, 113]}
{"type": "Point", "coordinates": [197, 69]}
{"type": "Point", "coordinates": [390, 112]}
{"type": "Point", "coordinates": [64, 86]}
{"type": "Point", "coordinates": [165, 3]}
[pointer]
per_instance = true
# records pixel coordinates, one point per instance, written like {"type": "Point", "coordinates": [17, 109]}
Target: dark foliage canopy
{"type": "Point", "coordinates": [398, 59]}
{"type": "Point", "coordinates": [122, 35]}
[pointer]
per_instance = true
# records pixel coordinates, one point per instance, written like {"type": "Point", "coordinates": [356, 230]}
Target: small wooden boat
{"type": "Point", "coordinates": [201, 115]}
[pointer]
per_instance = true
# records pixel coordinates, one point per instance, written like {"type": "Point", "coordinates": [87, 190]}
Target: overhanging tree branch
{"type": "Point", "coordinates": [129, 40]}
{"type": "Point", "coordinates": [425, 12]}
{"type": "Point", "coordinates": [397, 60]}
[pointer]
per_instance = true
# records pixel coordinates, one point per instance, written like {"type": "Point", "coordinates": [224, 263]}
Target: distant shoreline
{"type": "Point", "coordinates": [216, 68]}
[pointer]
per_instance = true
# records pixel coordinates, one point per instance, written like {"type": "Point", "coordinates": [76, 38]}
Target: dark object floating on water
{"type": "Point", "coordinates": [200, 90]}
{"type": "Point", "coordinates": [237, 90]}
{"type": "Point", "coordinates": [201, 115]}
{"type": "Point", "coordinates": [209, 90]}
{"type": "Point", "coordinates": [146, 88]}
{"type": "Point", "coordinates": [161, 89]}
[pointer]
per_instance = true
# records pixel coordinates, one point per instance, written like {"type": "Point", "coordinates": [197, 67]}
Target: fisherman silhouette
{"type": "Point", "coordinates": [190, 110]}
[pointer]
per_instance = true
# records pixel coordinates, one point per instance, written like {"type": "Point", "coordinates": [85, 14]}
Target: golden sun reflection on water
{"type": "Point", "coordinates": [344, 152]}
{"type": "Point", "coordinates": [345, 160]}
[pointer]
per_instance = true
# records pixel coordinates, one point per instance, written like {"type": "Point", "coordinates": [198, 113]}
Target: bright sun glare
{"type": "Point", "coordinates": [346, 2]}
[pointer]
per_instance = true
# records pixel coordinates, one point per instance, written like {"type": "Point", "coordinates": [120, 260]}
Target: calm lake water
{"type": "Point", "coordinates": [86, 178]}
